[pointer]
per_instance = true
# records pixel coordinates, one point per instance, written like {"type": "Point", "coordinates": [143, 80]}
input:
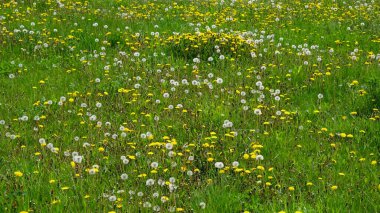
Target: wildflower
{"type": "Point", "coordinates": [202, 205]}
{"type": "Point", "coordinates": [334, 188]}
{"type": "Point", "coordinates": [257, 111]}
{"type": "Point", "coordinates": [18, 174]}
{"type": "Point", "coordinates": [235, 164]}
{"type": "Point", "coordinates": [78, 159]}
{"type": "Point", "coordinates": [154, 165]}
{"type": "Point", "coordinates": [219, 165]}
{"type": "Point", "coordinates": [189, 173]}
{"type": "Point", "coordinates": [92, 171]}
{"type": "Point", "coordinates": [124, 176]}
{"type": "Point", "coordinates": [150, 182]}
{"type": "Point", "coordinates": [112, 198]}
{"type": "Point", "coordinates": [259, 157]}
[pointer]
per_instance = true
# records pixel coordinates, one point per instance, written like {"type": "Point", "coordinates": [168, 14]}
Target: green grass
{"type": "Point", "coordinates": [320, 154]}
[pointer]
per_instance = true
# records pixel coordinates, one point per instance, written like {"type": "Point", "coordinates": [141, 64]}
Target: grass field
{"type": "Point", "coordinates": [189, 106]}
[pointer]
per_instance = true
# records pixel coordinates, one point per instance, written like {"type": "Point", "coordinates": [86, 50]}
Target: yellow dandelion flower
{"type": "Point", "coordinates": [260, 168]}
{"type": "Point", "coordinates": [334, 188]}
{"type": "Point", "coordinates": [18, 174]}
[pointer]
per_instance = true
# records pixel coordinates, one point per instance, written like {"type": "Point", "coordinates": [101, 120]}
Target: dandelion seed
{"type": "Point", "coordinates": [124, 176]}
{"type": "Point", "coordinates": [259, 157]}
{"type": "Point", "coordinates": [169, 146]}
{"type": "Point", "coordinates": [219, 165]}
{"type": "Point", "coordinates": [78, 159]}
{"type": "Point", "coordinates": [202, 205]}
{"type": "Point", "coordinates": [147, 205]}
{"type": "Point", "coordinates": [149, 182]}
{"type": "Point", "coordinates": [172, 180]}
{"type": "Point", "coordinates": [235, 164]}
{"type": "Point", "coordinates": [257, 111]}
{"type": "Point", "coordinates": [112, 198]}
{"type": "Point", "coordinates": [154, 165]}
{"type": "Point", "coordinates": [92, 171]}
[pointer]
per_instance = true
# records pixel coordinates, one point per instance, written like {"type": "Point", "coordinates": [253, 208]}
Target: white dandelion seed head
{"type": "Point", "coordinates": [219, 165]}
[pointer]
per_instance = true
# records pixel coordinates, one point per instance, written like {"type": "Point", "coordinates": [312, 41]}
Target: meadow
{"type": "Point", "coordinates": [189, 106]}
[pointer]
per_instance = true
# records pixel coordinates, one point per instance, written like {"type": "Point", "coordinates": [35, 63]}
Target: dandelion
{"type": "Point", "coordinates": [202, 205]}
{"type": "Point", "coordinates": [169, 146]}
{"type": "Point", "coordinates": [257, 111]}
{"type": "Point", "coordinates": [125, 161]}
{"type": "Point", "coordinates": [259, 157]}
{"type": "Point", "coordinates": [18, 174]}
{"type": "Point", "coordinates": [164, 199]}
{"type": "Point", "coordinates": [112, 198]}
{"type": "Point", "coordinates": [172, 180]}
{"type": "Point", "coordinates": [154, 165]}
{"type": "Point", "coordinates": [92, 171]}
{"type": "Point", "coordinates": [147, 205]}
{"type": "Point", "coordinates": [149, 182]}
{"type": "Point", "coordinates": [77, 159]}
{"type": "Point", "coordinates": [189, 173]}
{"type": "Point", "coordinates": [124, 176]}
{"type": "Point", "coordinates": [219, 165]}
